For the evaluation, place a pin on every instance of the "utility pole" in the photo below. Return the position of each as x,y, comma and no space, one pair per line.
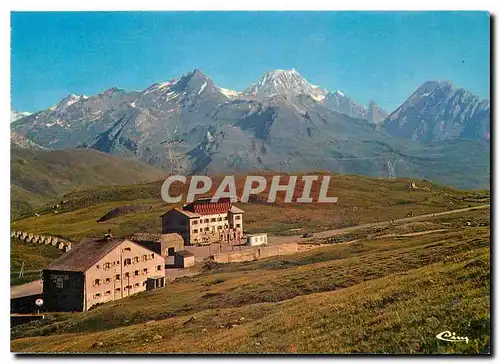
391,166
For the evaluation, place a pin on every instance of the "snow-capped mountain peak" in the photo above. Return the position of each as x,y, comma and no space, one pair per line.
69,100
229,93
14,115
284,83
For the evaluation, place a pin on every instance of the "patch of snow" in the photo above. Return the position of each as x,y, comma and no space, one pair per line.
202,87
172,95
159,86
68,101
318,97
132,104
229,93
340,93
163,85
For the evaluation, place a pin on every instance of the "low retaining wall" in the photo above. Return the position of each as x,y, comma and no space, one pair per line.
255,253
203,252
23,319
41,239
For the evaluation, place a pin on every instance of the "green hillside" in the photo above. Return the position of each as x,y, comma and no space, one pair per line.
39,177
360,200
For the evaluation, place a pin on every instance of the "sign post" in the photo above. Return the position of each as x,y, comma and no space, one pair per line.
39,303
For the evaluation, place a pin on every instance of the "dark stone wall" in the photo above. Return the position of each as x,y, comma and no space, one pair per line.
63,291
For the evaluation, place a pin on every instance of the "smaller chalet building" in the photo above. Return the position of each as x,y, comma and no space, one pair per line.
205,222
163,244
100,270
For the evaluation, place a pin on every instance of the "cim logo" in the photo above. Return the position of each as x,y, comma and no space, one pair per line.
200,185
451,337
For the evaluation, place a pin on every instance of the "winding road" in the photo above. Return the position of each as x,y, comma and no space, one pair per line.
328,233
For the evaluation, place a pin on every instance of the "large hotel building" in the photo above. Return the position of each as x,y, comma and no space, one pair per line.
205,222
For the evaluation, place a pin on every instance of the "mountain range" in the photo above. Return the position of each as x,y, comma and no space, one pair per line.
281,122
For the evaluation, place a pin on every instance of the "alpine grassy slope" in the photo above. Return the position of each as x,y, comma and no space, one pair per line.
378,294
38,177
360,200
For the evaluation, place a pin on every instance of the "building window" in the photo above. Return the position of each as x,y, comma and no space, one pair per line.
206,220
158,267
136,273
136,284
225,218
145,270
97,295
152,255
144,283
117,262
238,225
238,217
128,287
108,280
118,289
107,293
127,261
207,229
127,275
212,219
136,259
117,277
171,251
97,282
219,219
127,250
195,222
98,266
195,231
144,257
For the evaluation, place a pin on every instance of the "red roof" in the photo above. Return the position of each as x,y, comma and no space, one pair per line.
206,207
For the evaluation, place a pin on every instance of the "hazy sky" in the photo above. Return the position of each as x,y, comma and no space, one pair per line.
382,56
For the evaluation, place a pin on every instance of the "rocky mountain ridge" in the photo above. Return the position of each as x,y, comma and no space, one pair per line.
190,125
438,111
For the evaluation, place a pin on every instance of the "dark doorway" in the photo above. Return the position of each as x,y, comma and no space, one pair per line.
171,251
